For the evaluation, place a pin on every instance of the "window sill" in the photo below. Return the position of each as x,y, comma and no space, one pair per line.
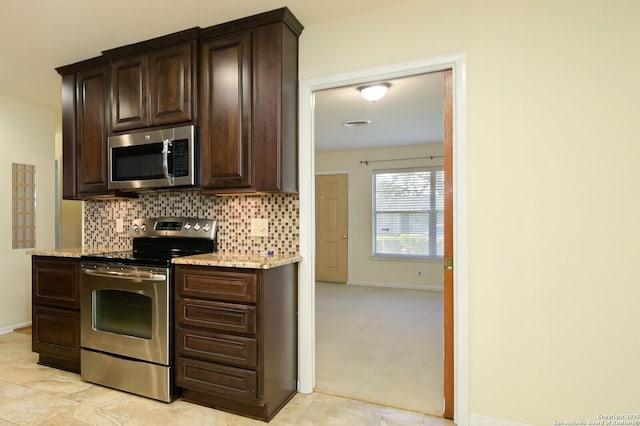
406,258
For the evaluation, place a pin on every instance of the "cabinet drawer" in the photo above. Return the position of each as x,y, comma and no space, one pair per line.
56,282
216,315
56,332
230,382
224,348
208,283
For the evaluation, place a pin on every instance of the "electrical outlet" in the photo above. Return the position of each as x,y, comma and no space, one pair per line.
119,225
259,227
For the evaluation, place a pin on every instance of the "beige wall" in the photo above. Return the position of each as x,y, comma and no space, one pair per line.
363,269
27,137
70,224
553,148
553,184
70,214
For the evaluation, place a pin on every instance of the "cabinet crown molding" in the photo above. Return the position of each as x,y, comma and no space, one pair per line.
190,34
278,15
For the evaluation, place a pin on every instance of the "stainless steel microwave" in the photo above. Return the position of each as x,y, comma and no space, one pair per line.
153,159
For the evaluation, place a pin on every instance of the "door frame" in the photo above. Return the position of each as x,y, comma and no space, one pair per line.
306,293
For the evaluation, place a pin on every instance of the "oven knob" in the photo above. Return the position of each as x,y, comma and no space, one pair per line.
206,227
135,227
143,227
187,226
196,227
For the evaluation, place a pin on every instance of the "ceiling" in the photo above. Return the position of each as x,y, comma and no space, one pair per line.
410,113
36,36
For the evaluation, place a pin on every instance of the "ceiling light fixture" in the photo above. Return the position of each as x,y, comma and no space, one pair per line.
374,92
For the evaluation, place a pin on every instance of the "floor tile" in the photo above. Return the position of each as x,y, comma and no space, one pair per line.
31,394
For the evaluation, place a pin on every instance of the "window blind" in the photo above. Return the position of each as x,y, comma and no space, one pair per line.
409,212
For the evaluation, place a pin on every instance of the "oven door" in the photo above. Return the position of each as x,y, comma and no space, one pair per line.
125,311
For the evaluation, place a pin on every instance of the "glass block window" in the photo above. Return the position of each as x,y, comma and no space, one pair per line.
24,205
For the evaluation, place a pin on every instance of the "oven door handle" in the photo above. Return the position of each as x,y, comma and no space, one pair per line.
149,276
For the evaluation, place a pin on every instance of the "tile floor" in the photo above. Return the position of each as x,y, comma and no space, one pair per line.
380,345
31,394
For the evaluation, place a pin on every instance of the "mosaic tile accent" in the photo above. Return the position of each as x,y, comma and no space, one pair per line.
232,213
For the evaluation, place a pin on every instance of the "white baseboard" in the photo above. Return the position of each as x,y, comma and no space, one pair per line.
397,285
10,328
489,421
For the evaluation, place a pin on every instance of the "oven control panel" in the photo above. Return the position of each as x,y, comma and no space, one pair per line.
174,227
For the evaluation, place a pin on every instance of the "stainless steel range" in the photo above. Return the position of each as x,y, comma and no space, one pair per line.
127,305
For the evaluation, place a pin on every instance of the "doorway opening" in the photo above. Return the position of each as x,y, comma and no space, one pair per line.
456,62
379,332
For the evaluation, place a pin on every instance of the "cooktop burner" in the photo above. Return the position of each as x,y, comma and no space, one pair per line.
157,240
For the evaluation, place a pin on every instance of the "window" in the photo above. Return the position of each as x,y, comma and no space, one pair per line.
408,213
24,205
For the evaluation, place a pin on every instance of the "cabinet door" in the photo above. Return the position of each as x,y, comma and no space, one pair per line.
91,131
56,282
226,112
129,93
171,84
56,333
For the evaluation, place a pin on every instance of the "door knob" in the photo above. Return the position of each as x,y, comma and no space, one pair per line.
344,237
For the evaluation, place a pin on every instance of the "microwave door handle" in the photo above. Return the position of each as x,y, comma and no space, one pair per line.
166,144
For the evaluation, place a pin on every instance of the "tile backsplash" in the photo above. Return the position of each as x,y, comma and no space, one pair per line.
232,213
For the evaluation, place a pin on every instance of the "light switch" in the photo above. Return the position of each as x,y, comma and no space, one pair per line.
259,227
119,225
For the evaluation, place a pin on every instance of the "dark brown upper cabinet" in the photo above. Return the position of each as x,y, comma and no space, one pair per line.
226,111
85,94
172,89
130,93
249,104
237,81
153,82
91,92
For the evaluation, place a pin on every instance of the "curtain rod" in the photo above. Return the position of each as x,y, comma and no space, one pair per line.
431,157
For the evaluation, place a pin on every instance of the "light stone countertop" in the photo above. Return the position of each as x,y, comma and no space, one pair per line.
68,252
229,260
237,260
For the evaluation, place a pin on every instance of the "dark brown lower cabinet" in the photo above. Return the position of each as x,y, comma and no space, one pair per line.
236,337
56,312
56,337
